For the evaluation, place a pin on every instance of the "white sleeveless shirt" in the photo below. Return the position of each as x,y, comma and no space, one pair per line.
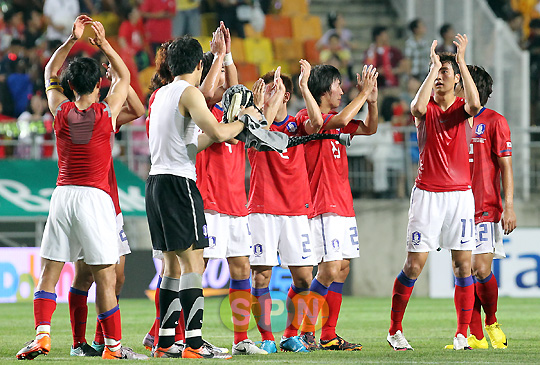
172,136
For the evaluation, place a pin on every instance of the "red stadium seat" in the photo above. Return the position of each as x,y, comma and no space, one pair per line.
310,51
277,26
248,73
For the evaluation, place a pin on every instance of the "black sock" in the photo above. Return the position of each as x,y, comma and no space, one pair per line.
169,309
191,297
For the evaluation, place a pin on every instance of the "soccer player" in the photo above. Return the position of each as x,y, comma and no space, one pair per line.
491,149
442,203
82,219
332,222
173,202
78,293
279,205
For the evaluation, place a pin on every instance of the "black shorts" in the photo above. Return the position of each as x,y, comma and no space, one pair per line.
175,212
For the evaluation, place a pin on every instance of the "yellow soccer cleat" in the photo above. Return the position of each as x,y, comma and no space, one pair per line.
497,336
475,343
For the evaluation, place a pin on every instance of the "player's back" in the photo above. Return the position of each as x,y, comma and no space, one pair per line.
443,141
172,136
84,144
491,139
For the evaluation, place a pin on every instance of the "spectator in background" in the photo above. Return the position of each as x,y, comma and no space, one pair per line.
515,22
417,49
336,27
34,29
448,35
187,19
158,15
132,40
13,28
18,81
533,46
59,17
226,10
37,111
339,57
387,59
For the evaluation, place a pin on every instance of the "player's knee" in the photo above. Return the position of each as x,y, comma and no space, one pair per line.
83,281
481,271
412,269
261,278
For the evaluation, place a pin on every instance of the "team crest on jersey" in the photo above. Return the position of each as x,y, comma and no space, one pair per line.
480,129
416,237
335,244
211,242
257,250
292,127
205,231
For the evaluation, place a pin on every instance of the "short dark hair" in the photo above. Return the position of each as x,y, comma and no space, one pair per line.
483,81
83,73
331,17
447,57
269,77
377,31
163,75
183,55
445,28
207,61
414,24
321,79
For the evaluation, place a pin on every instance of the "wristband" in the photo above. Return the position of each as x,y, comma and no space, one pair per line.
228,60
53,83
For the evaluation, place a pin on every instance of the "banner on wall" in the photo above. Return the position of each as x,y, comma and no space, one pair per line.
518,275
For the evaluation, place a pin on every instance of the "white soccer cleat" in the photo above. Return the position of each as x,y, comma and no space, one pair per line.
460,343
399,343
247,347
223,350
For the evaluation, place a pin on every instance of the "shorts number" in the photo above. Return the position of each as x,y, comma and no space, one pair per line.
354,237
464,227
482,229
306,244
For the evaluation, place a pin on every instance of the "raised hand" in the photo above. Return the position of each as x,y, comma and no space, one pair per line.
217,45
258,93
434,57
99,31
305,70
461,44
226,36
374,94
79,24
368,80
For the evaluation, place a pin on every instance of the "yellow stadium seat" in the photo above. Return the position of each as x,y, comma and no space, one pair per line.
145,77
110,21
205,43
258,50
265,67
250,32
237,49
209,24
294,67
288,49
294,7
306,27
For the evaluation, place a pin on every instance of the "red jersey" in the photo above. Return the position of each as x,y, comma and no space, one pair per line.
221,171
114,189
158,30
84,145
328,169
133,34
490,140
443,141
279,181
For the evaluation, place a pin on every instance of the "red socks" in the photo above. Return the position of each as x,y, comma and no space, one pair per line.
78,314
44,307
261,309
488,293
403,287
475,327
240,301
464,302
112,328
333,299
295,308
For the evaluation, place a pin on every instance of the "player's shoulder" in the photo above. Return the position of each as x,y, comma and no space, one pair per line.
302,115
490,116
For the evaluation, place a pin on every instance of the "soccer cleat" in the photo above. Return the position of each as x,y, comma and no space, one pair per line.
398,342
309,340
84,349
267,345
170,352
292,344
247,347
148,342
496,336
204,352
99,347
475,343
339,344
460,343
124,353
223,350
38,346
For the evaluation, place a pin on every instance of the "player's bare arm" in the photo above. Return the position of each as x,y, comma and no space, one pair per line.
192,103
231,73
315,121
277,93
369,126
53,89
211,81
421,100
472,99
508,219
365,86
120,77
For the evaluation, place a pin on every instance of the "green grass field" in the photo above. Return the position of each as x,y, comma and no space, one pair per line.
429,325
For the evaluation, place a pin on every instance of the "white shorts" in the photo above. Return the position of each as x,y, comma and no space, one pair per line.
81,223
228,236
442,219
334,237
123,244
489,239
288,236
